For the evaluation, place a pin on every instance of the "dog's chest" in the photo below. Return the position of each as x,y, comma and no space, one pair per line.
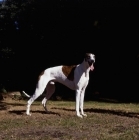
83,81
81,77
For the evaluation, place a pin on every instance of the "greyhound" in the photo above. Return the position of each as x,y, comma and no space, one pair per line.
75,77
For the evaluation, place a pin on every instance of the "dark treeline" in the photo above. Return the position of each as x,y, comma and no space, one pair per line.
39,34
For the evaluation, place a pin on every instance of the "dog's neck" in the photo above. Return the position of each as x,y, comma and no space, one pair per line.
85,67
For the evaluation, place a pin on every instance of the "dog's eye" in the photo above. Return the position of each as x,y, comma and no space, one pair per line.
88,57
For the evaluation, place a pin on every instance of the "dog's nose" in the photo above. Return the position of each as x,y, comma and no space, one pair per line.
92,61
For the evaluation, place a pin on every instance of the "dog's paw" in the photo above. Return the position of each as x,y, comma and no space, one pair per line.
28,114
47,112
85,115
45,108
80,116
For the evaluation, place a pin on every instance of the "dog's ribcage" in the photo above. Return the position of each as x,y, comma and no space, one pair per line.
57,75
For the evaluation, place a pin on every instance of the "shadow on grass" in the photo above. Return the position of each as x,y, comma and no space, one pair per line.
15,104
4,106
21,112
106,111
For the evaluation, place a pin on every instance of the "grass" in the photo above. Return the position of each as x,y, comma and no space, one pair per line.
105,121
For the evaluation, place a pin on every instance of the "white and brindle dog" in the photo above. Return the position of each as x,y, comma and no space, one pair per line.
75,77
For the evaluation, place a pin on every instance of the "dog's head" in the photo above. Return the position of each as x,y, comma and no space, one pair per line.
90,59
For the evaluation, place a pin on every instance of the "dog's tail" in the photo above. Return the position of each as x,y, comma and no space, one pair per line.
26,94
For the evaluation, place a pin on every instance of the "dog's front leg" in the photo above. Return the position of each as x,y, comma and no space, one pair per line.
82,102
78,96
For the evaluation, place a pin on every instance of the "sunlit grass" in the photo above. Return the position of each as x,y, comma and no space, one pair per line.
105,121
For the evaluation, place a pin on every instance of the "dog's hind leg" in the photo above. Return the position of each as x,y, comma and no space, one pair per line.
38,91
50,89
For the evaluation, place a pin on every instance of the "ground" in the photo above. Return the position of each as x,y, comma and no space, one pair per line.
104,121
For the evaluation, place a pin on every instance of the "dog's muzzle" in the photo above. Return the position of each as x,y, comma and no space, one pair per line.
91,64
